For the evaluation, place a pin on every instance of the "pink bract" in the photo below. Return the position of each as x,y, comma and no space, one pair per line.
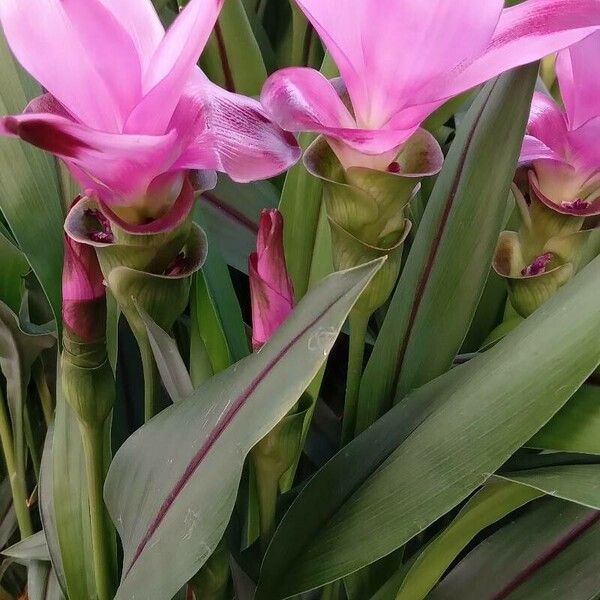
271,289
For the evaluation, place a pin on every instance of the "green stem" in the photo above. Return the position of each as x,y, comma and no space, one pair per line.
16,478
268,492
44,394
151,380
93,447
359,322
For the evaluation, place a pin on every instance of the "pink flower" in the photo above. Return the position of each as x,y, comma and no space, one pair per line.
402,59
83,290
270,287
127,108
562,146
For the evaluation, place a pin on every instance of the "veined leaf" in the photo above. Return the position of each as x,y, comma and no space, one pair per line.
493,502
232,57
47,516
32,548
577,483
576,428
446,270
191,454
436,447
305,243
549,553
13,267
170,365
29,193
231,212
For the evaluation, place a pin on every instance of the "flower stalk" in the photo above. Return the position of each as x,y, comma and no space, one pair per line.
16,478
88,386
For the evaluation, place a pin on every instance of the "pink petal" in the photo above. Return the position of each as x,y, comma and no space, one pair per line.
525,33
119,167
47,43
579,77
236,137
301,99
547,123
139,18
585,147
534,149
388,49
172,65
111,50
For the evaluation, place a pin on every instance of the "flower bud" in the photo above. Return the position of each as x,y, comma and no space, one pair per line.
271,288
84,293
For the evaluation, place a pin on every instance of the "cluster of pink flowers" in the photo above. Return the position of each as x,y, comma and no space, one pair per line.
131,115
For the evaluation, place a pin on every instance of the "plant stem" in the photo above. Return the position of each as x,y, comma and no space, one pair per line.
17,479
44,394
151,380
268,492
359,322
93,447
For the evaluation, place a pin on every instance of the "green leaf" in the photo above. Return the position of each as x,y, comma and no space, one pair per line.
70,501
577,483
191,454
549,553
306,243
449,261
46,504
170,365
32,548
216,314
576,428
232,57
493,502
13,267
8,519
436,447
30,199
231,212
42,583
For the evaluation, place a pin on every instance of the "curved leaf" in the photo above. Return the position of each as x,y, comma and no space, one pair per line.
493,502
191,454
576,428
29,187
446,270
436,447
577,483
551,552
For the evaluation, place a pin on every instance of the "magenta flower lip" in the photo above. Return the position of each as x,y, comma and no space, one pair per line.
576,208
126,104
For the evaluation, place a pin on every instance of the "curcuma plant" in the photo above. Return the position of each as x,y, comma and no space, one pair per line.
299,299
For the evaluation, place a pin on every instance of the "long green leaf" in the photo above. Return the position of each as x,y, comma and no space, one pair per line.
448,265
191,454
232,57
301,207
434,448
30,199
493,502
70,502
576,428
13,267
550,553
577,483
